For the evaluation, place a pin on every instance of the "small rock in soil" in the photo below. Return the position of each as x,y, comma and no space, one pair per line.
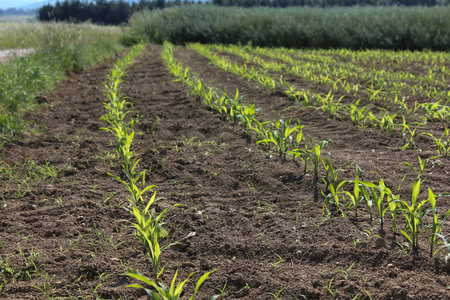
398,292
60,258
187,265
237,279
317,254
205,264
242,292
380,243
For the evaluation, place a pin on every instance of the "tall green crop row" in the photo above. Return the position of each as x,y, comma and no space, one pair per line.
147,223
397,28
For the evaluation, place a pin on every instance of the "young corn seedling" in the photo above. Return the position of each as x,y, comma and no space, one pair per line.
434,230
299,137
335,195
445,245
434,111
314,156
196,88
162,292
295,95
355,197
149,229
374,121
301,153
332,107
414,214
346,272
331,176
387,122
367,195
358,116
308,99
128,161
411,143
208,96
147,223
374,95
291,91
260,129
443,142
277,295
280,135
394,204
378,199
247,125
235,107
422,165
137,195
246,117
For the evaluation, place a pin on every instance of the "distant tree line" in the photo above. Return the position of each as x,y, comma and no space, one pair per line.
118,12
16,12
100,11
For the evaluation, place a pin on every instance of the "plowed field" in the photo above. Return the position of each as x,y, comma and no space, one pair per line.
245,212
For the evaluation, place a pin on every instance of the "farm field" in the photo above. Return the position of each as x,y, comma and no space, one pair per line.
248,210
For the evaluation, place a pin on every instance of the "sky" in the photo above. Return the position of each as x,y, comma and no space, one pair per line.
22,3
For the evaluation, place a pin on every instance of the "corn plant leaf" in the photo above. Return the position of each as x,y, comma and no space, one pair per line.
415,192
199,283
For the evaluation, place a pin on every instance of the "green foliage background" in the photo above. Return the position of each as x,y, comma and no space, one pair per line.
397,28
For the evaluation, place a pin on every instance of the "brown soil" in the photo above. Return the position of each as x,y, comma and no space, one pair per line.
242,209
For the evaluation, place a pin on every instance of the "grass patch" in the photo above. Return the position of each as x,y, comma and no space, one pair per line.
57,48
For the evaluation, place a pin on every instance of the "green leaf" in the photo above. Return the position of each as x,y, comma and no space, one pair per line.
415,192
432,199
199,283
406,236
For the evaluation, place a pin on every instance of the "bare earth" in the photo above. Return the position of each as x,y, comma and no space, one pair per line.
247,215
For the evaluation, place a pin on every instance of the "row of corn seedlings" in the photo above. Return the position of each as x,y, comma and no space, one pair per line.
148,224
385,120
380,200
426,60
360,116
377,197
382,87
431,85
283,136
